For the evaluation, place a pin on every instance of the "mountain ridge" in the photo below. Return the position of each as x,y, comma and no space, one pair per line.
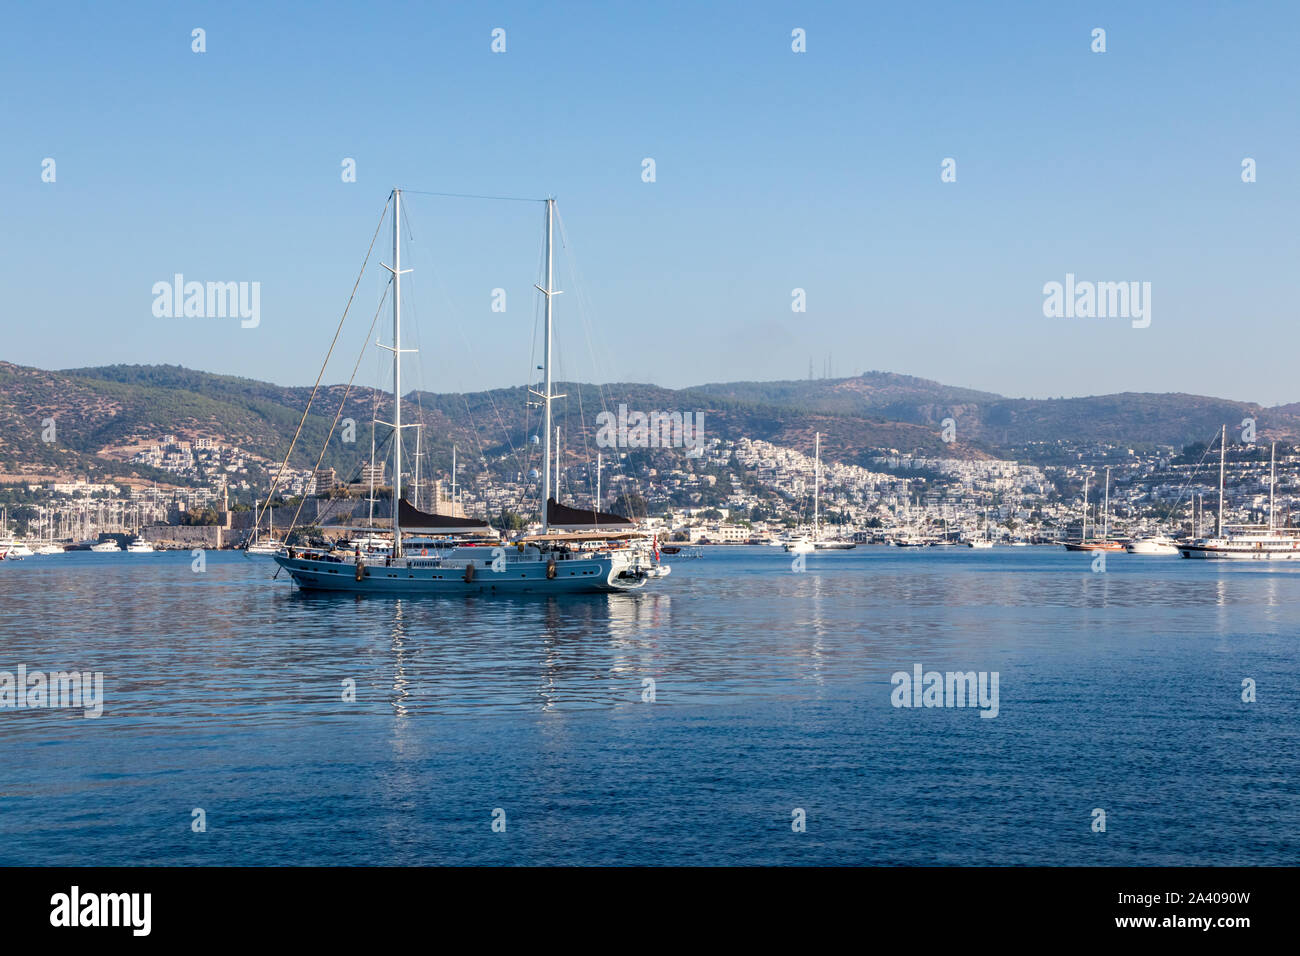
101,409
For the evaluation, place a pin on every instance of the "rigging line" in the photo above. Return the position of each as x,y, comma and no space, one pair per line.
421,430
586,450
353,476
1189,480
525,497
257,521
425,192
337,415
584,313
585,309
469,414
454,310
422,388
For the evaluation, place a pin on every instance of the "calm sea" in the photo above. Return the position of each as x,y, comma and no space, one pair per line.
224,692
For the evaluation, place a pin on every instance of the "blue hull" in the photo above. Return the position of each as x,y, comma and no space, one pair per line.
592,575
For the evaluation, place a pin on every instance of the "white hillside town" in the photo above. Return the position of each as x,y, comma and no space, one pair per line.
718,491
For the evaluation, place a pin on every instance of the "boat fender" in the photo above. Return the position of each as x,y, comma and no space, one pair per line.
469,572
550,570
361,570
521,547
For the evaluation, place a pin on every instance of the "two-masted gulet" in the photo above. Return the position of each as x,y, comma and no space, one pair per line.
577,550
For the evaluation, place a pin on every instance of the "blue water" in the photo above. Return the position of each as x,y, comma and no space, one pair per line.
1118,690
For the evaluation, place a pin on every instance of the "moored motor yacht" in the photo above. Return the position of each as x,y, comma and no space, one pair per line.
1155,544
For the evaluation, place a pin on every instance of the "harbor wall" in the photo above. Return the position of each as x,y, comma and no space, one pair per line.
185,536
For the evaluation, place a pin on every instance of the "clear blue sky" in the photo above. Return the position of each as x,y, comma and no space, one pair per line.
775,170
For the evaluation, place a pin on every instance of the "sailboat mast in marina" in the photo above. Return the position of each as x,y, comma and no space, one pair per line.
1245,542
817,484
1104,543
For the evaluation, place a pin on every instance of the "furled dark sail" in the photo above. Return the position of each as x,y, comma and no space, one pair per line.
580,519
424,522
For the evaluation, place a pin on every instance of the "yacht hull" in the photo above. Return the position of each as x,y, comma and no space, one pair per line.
1237,554
430,576
1151,547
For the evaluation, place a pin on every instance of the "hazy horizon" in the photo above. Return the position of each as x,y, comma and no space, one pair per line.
328,382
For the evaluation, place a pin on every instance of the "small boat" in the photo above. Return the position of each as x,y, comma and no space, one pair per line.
16,548
104,547
985,541
1156,544
139,546
265,546
658,571
1104,543
12,546
50,549
813,542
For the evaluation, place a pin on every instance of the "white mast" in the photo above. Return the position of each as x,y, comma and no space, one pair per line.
1105,513
546,396
371,522
558,456
453,478
396,270
596,503
1272,477
817,480
1223,457
1084,532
